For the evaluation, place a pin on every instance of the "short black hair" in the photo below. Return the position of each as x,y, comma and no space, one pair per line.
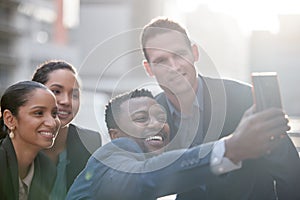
113,106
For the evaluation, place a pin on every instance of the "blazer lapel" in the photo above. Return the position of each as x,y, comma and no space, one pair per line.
214,108
12,162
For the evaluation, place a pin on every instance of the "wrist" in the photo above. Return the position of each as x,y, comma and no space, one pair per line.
231,151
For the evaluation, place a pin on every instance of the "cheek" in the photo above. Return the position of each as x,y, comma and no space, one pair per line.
132,130
26,127
57,122
75,105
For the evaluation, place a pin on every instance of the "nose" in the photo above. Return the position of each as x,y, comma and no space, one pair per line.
64,99
52,122
174,63
155,124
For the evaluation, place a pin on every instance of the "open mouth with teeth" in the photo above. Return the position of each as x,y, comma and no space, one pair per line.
49,135
156,142
155,138
63,113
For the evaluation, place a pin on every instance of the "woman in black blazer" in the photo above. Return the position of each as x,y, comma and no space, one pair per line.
28,123
74,145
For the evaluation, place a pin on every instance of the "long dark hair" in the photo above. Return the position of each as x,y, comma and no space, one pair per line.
13,98
42,72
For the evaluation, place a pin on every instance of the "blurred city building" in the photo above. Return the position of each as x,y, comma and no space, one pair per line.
280,53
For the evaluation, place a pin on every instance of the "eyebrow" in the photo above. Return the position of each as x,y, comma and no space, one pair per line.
56,85
37,107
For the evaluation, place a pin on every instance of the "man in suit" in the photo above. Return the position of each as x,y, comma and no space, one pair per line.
134,165
202,109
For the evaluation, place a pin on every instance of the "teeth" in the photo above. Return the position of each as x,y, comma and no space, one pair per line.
63,112
156,137
46,133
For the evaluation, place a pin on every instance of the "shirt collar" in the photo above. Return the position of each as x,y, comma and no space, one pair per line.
27,180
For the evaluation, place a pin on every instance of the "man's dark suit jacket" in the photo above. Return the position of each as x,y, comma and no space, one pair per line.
43,178
81,143
225,102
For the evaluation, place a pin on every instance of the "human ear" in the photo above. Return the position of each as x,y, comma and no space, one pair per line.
148,68
9,119
195,52
114,133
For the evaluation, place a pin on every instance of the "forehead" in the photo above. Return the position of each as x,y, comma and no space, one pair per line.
166,39
139,104
63,75
40,97
172,42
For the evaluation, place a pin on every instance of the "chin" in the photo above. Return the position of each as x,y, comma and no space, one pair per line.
156,151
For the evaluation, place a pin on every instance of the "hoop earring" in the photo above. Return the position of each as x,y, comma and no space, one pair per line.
11,133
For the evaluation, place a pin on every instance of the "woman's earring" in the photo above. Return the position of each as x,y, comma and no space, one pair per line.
11,133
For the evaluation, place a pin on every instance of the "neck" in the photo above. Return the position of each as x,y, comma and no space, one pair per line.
183,102
59,144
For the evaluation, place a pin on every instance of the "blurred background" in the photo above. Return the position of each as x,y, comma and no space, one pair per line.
101,39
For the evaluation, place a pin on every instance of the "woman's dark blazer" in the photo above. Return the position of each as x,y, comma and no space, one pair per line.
81,143
43,178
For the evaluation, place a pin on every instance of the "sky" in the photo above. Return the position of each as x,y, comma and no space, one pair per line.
250,14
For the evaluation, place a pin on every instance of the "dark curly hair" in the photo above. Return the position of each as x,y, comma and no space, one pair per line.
112,109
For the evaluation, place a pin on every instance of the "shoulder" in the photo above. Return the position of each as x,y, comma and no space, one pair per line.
226,82
80,129
124,144
6,149
232,88
3,156
121,148
89,138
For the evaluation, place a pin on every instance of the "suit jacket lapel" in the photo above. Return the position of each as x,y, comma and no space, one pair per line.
215,102
206,107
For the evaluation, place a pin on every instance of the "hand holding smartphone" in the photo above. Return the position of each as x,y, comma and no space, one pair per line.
266,91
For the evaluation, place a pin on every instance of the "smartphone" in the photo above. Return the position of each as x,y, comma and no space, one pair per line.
266,92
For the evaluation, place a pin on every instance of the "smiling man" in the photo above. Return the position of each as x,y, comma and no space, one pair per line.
134,165
202,109
148,128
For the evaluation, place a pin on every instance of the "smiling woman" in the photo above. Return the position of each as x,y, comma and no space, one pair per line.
73,145
30,122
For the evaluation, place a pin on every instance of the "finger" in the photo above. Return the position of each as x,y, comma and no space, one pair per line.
277,122
272,144
270,113
275,133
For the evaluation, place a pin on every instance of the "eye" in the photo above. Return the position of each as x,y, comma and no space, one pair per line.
160,61
54,113
162,118
140,118
75,94
56,92
38,113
